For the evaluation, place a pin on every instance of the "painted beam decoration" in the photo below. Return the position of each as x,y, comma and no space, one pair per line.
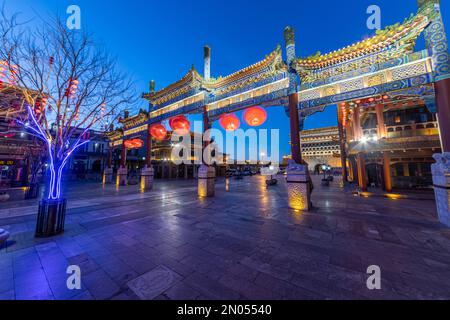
384,64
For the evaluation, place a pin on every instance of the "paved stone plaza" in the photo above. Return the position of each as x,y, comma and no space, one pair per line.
243,244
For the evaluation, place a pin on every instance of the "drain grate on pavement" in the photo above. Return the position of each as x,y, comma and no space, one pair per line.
153,283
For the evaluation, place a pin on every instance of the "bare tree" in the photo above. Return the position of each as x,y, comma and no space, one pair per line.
67,85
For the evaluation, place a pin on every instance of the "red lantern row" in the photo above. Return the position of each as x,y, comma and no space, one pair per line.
254,117
229,122
180,125
133,143
158,131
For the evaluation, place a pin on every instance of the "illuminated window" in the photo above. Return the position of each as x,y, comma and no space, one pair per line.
397,119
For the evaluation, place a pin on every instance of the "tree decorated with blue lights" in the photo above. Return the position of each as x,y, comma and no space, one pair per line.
66,86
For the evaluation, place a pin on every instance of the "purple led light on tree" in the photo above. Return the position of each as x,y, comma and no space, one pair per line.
67,87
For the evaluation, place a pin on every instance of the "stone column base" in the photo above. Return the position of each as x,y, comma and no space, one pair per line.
298,186
206,181
441,182
4,235
147,178
122,179
108,176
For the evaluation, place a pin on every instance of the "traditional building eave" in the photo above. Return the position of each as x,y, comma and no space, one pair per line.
271,63
401,38
134,121
114,135
192,80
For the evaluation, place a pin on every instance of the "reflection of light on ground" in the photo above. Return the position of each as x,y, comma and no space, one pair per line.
227,184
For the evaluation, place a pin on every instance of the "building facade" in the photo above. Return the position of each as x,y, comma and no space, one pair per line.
390,142
321,147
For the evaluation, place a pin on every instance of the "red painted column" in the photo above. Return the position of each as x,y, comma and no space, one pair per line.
110,151
294,126
342,149
443,112
206,126
123,157
148,154
361,167
381,126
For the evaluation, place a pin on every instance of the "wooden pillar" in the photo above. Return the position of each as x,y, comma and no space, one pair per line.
381,126
342,148
148,153
387,172
351,174
406,169
436,41
361,167
123,156
294,126
356,124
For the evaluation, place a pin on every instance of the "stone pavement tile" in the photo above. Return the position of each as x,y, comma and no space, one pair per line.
58,285
323,288
181,291
139,264
126,295
154,283
285,289
210,288
247,289
6,284
100,285
182,269
34,291
85,262
85,295
29,276
8,295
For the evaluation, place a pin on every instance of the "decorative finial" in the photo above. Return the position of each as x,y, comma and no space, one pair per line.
152,86
423,3
207,51
289,36
207,62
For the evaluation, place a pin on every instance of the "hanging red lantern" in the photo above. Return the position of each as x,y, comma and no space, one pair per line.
133,143
128,144
137,143
180,125
229,122
255,116
158,131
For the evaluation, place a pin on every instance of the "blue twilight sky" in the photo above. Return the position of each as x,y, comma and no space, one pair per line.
161,39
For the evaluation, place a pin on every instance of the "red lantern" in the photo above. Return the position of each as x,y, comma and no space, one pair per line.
158,131
137,143
133,143
229,122
255,116
128,144
180,124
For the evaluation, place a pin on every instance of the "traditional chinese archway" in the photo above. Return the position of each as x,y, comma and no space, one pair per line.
384,65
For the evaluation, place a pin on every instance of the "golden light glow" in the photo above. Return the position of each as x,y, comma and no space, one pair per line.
393,196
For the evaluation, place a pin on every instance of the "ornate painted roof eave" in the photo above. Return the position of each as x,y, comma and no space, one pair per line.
399,35
190,81
136,120
115,134
272,61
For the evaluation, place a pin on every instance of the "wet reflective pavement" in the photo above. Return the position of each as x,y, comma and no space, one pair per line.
243,244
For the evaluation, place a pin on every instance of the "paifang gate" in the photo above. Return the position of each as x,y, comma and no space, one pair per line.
385,65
